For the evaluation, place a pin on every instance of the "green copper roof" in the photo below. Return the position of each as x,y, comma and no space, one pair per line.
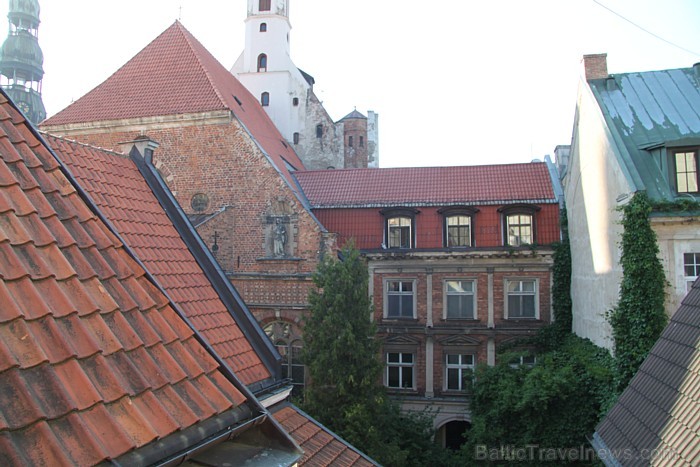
648,113
26,9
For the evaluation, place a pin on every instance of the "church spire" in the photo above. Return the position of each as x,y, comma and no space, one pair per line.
21,59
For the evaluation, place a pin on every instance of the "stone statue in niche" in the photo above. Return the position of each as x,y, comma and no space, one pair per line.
279,239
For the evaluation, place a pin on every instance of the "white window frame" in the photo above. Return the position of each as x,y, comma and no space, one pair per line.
461,367
413,292
528,360
401,366
449,227
506,295
401,228
695,264
520,225
446,293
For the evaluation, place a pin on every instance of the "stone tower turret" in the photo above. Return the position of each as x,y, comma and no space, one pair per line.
21,59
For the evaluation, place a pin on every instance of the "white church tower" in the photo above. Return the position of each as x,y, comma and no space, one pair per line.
266,69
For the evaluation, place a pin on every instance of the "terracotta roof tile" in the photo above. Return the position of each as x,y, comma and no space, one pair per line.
478,184
321,447
173,75
135,212
83,347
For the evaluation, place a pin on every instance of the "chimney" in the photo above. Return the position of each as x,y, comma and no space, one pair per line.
595,66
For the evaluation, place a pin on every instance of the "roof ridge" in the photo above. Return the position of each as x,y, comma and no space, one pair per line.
192,42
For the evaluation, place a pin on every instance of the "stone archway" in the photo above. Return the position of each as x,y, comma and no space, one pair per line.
450,434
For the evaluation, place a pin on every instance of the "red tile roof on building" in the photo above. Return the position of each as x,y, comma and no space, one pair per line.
94,360
119,190
321,446
421,186
175,75
656,420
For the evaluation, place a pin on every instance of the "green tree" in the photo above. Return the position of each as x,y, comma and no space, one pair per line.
340,348
639,317
342,355
561,273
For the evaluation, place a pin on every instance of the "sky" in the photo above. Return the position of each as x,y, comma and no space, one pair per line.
454,83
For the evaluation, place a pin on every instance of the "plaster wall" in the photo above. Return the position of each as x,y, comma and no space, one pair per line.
595,186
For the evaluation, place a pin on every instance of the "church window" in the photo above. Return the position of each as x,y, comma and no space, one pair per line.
296,138
264,5
319,131
350,141
263,27
265,99
262,62
295,101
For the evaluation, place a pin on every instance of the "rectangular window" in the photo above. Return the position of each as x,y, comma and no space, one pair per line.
521,299
399,299
519,229
457,367
686,172
399,370
264,5
523,360
459,231
399,232
459,299
691,266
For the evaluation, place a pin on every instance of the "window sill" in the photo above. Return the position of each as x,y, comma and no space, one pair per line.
391,319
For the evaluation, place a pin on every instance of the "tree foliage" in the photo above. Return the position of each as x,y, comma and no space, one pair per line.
639,317
561,272
342,355
554,404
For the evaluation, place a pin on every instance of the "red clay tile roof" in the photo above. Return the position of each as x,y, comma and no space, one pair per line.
656,420
321,447
172,75
421,186
119,190
94,361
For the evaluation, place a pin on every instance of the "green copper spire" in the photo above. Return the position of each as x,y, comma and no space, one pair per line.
21,59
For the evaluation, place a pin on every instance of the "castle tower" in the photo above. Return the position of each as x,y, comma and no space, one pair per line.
21,59
355,131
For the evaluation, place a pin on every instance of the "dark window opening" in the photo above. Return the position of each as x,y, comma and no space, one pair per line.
362,141
296,138
263,27
265,99
264,5
295,101
350,141
319,131
262,62
454,434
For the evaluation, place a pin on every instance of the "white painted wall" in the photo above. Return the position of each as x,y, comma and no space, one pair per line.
592,187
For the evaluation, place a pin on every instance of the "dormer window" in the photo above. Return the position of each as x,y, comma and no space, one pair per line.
399,227
458,230
262,63
263,27
264,5
686,164
519,225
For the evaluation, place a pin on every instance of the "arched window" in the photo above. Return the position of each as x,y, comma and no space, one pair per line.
287,339
263,27
296,138
265,99
458,228
519,224
262,62
319,131
399,227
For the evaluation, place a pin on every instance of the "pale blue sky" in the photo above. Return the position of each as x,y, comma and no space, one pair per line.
469,83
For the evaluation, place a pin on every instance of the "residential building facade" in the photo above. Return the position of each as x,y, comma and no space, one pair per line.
459,262
633,132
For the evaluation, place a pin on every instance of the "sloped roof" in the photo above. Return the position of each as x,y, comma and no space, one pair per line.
647,110
173,75
659,412
119,190
94,360
321,446
421,186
